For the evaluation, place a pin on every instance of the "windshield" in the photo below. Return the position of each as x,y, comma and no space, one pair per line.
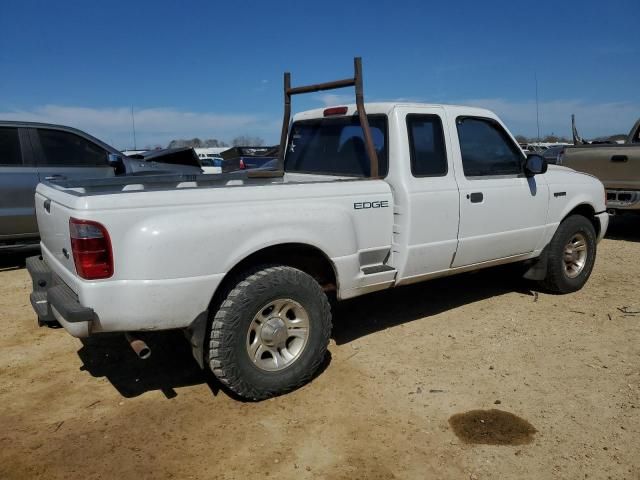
335,146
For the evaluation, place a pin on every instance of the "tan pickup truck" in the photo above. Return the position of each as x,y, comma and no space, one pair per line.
617,165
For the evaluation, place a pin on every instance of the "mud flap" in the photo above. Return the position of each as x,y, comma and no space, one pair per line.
538,269
195,334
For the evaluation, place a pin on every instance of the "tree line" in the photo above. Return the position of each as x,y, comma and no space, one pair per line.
242,140
546,139
556,139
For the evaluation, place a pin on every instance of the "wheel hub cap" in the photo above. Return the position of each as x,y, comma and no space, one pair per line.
274,332
278,334
575,255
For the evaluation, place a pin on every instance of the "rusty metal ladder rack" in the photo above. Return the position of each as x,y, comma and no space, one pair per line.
356,82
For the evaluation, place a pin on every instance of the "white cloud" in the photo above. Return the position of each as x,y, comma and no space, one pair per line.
592,119
160,125
153,125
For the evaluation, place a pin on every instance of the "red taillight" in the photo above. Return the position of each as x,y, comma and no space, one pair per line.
335,111
91,247
242,165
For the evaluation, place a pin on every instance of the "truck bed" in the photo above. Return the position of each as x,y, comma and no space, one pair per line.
143,183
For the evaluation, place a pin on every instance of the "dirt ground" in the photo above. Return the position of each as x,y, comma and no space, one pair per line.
402,363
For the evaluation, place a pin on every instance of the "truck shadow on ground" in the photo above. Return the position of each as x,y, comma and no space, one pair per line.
372,313
172,365
624,227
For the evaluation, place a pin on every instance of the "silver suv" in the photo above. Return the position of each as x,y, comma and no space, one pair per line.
35,152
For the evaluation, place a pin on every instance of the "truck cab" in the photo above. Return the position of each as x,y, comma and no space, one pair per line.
463,195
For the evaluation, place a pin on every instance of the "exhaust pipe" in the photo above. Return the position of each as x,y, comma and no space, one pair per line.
138,345
612,212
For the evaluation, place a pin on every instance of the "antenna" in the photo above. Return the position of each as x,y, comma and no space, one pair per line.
133,123
535,74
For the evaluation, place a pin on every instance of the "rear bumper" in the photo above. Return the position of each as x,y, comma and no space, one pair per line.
53,300
117,305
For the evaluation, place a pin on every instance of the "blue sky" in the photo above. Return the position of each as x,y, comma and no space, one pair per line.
214,69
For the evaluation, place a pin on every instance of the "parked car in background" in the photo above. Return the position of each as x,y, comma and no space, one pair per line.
536,148
616,165
169,160
204,152
248,163
551,154
249,158
270,165
34,152
211,164
130,153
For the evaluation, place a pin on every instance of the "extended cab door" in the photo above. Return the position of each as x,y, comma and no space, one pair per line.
426,221
60,154
502,212
18,182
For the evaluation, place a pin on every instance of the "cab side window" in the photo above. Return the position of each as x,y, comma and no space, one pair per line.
10,153
68,149
426,145
486,148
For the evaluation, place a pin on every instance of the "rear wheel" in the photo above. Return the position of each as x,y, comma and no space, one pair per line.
571,255
271,332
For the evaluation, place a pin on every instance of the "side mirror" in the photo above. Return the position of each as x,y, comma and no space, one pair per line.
114,160
535,165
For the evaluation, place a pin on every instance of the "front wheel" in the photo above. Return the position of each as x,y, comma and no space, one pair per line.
271,332
571,255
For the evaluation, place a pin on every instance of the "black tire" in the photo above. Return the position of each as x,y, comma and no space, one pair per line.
228,357
557,279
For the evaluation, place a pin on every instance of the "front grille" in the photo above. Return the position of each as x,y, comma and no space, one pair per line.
622,198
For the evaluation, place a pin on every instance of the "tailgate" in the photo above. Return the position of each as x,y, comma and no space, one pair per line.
53,223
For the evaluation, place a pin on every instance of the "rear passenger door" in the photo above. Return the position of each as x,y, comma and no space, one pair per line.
18,182
64,155
502,212
432,227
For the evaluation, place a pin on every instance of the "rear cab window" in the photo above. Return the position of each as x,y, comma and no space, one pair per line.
335,146
10,153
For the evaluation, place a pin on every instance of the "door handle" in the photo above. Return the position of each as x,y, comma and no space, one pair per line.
619,158
55,177
475,197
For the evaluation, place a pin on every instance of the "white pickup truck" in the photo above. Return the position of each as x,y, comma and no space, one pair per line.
244,263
